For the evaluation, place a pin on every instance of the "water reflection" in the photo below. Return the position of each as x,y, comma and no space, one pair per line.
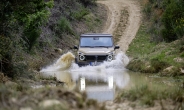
101,92
110,82
66,77
101,85
99,82
82,84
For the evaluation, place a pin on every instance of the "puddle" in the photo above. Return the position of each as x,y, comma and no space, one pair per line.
101,85
100,82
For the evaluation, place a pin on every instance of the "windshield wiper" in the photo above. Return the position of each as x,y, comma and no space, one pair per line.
88,46
102,46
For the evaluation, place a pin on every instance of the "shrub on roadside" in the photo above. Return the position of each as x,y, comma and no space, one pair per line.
134,65
64,26
5,43
138,65
88,2
141,93
158,65
166,19
173,20
171,71
80,13
147,10
20,24
31,36
147,95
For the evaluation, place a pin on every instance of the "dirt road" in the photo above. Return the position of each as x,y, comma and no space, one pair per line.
132,25
128,29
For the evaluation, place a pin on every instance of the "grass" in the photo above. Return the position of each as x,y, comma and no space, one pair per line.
92,21
79,15
151,57
141,45
65,26
154,57
147,95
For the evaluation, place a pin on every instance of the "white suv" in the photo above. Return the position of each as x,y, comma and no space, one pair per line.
95,48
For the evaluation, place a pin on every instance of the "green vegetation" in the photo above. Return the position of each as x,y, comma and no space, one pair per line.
33,33
88,2
20,24
173,20
147,95
165,19
31,30
79,14
158,48
151,51
149,57
64,26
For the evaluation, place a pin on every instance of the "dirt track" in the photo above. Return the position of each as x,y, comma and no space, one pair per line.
127,31
114,14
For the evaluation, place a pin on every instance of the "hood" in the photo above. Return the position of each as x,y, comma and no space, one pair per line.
96,51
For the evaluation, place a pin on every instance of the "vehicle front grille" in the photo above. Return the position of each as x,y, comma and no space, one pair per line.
99,58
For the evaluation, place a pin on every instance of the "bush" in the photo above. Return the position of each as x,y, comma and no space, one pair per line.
147,94
147,10
64,26
5,46
142,93
20,24
158,65
166,19
31,36
173,20
6,56
80,14
136,65
87,2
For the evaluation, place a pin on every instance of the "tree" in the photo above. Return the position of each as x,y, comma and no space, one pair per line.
27,14
173,20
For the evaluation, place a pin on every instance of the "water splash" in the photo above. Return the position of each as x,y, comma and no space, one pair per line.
62,64
121,60
115,68
65,64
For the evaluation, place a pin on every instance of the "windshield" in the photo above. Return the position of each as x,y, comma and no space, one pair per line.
96,42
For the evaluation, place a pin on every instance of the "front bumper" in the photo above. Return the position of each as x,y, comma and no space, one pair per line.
92,59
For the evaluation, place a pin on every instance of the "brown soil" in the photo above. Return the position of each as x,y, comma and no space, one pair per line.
114,21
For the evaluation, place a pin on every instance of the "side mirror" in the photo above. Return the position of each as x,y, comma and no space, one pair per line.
116,47
75,47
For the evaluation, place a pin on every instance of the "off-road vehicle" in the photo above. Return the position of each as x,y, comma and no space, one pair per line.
95,48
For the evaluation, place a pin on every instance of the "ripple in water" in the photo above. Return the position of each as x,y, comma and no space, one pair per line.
65,64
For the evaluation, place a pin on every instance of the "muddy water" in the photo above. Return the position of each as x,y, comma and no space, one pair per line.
101,85
102,82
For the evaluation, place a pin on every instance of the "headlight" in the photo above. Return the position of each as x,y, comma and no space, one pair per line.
81,57
109,57
111,53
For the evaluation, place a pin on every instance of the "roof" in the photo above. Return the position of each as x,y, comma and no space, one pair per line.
96,35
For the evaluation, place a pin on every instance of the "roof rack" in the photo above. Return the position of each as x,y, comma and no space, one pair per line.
96,34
